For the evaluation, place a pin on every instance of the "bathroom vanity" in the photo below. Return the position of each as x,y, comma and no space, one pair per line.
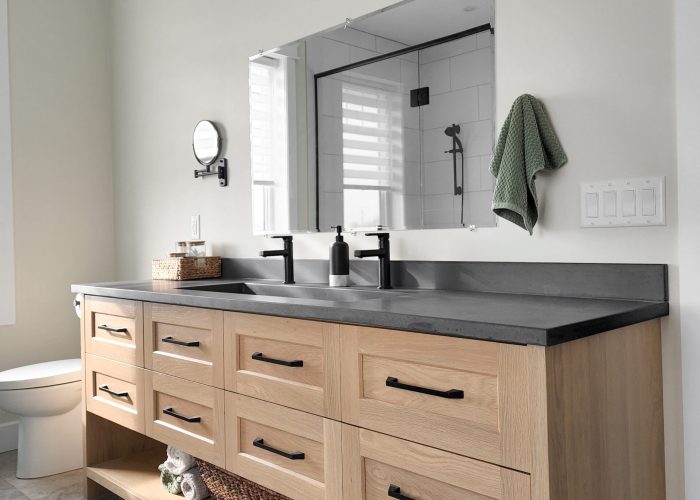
466,392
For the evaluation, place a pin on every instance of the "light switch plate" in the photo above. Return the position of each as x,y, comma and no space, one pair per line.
194,227
624,202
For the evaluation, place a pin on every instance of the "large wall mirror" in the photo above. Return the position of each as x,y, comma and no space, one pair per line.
384,123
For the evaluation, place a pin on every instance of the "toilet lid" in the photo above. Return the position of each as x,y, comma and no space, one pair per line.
58,372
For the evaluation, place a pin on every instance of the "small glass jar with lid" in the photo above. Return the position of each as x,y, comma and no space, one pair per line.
196,248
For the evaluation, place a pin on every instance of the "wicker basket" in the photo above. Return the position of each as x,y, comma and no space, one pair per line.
186,268
223,485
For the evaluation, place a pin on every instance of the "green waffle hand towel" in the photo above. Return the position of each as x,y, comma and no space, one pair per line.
527,144
170,481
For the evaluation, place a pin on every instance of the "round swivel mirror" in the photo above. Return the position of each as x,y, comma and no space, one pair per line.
206,142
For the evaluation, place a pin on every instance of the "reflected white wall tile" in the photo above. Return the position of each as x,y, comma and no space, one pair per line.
330,173
472,68
409,75
384,45
435,143
487,180
411,116
412,178
388,70
477,138
359,54
330,97
486,109
354,37
435,75
449,49
330,210
411,145
438,178
478,209
484,39
330,135
472,173
452,107
413,211
323,54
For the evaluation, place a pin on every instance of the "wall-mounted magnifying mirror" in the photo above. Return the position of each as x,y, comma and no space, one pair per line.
206,144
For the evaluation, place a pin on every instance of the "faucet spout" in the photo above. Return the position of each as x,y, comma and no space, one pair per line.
288,253
384,259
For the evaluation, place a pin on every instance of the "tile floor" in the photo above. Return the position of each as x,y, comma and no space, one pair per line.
67,486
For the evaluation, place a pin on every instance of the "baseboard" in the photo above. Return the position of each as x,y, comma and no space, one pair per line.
8,436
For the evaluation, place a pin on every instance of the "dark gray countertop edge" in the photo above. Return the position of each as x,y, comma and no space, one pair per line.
513,334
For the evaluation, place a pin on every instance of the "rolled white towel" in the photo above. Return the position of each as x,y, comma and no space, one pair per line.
178,461
193,486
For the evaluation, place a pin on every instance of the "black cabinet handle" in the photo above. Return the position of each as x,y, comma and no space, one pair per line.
295,455
451,394
395,492
171,412
170,340
109,329
105,388
258,356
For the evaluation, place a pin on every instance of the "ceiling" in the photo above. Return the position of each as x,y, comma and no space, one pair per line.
418,21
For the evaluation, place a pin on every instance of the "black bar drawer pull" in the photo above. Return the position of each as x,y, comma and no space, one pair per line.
295,455
171,412
170,340
258,356
105,388
450,394
395,492
109,329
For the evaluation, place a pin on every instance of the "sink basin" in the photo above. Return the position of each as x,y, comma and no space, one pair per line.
291,291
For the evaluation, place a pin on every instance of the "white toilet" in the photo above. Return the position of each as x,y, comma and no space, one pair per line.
46,398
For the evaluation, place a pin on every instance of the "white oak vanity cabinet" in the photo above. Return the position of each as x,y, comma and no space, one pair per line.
322,411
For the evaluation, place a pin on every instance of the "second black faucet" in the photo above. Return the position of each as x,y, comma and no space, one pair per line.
384,259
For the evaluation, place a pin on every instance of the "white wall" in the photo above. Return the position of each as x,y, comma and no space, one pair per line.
603,69
60,85
688,141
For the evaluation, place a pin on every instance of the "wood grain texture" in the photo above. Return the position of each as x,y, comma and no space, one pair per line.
125,410
203,363
373,461
204,439
489,424
317,476
126,347
313,387
605,416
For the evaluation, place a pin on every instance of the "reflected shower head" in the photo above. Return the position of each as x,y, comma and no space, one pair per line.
453,130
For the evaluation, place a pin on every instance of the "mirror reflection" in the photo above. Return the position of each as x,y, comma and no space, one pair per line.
386,123
206,142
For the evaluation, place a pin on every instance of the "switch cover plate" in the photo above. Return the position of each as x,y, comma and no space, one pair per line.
624,202
194,227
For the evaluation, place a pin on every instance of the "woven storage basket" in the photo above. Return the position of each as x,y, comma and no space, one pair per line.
186,268
223,485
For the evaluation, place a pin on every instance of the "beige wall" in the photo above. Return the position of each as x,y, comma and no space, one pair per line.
61,148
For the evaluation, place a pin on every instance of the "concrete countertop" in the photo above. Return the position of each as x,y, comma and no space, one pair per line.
500,317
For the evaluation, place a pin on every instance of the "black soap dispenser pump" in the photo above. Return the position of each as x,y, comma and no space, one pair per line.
339,261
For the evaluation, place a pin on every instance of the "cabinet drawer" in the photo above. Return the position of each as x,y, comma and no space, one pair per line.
464,396
185,341
291,362
187,415
289,451
376,465
115,391
114,329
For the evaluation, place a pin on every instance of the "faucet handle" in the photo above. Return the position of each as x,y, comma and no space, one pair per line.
381,236
285,237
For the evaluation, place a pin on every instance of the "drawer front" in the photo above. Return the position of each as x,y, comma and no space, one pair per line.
186,342
114,329
187,415
115,391
291,362
289,451
464,396
376,465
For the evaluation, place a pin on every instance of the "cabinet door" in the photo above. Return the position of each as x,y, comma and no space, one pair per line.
377,467
114,329
187,415
115,391
464,396
185,341
289,451
291,362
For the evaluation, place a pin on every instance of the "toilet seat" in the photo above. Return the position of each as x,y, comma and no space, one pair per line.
41,375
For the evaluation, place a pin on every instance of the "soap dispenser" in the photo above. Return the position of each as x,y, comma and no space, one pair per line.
339,261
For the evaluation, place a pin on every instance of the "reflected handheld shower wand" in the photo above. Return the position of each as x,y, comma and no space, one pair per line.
452,131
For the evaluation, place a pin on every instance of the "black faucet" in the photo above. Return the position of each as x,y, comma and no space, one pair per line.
384,259
288,253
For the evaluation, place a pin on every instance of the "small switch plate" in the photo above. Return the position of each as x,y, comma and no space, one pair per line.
194,227
624,202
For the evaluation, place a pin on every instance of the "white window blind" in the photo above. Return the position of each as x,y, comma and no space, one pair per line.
7,265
